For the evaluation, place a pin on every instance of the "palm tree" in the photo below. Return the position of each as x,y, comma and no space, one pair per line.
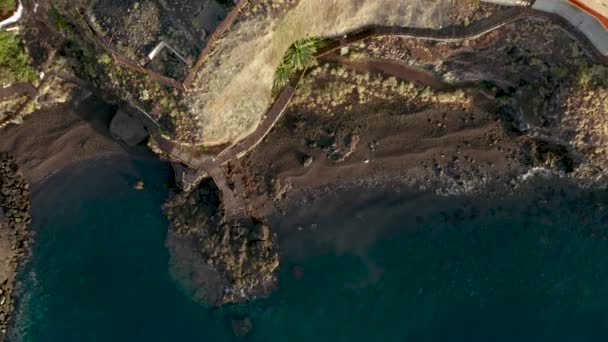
299,56
282,76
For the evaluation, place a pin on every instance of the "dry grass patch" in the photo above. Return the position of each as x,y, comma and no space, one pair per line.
234,88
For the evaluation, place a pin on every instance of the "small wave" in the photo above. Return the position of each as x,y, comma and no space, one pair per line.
452,187
537,172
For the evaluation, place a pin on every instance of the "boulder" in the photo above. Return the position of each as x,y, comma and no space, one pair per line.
307,161
241,327
139,185
128,129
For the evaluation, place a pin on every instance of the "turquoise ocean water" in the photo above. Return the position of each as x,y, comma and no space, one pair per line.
531,268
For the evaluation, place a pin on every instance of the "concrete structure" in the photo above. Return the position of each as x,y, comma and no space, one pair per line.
160,47
585,22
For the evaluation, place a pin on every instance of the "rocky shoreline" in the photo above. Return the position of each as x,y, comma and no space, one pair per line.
14,233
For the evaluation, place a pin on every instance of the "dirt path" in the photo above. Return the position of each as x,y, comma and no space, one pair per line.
387,67
18,89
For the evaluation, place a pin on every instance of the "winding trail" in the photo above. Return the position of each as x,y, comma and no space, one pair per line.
197,167
473,31
456,33
399,69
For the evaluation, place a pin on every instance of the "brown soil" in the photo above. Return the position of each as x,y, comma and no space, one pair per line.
52,139
388,67
381,142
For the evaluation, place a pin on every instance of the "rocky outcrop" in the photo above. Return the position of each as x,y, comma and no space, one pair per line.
128,129
219,261
14,234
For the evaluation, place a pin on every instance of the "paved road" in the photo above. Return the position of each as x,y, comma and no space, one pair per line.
584,22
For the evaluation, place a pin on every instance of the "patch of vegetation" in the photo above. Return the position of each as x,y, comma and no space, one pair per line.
595,73
7,5
599,73
582,75
89,60
14,61
487,84
559,71
61,22
299,56
329,88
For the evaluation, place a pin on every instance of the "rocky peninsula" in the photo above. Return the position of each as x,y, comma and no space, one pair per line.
219,261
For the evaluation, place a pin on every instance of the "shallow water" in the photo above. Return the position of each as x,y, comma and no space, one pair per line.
532,267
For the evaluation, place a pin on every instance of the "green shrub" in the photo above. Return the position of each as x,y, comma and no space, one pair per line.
61,22
596,73
503,100
14,61
583,76
559,71
7,5
105,59
599,74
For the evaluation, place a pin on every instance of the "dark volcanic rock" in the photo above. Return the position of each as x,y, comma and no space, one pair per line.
307,161
216,261
14,233
128,129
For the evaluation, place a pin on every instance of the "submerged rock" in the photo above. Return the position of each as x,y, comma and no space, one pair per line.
241,327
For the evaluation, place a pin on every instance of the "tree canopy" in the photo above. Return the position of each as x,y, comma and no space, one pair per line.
14,61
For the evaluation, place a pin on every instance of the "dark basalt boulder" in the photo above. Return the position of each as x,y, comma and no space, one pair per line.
126,128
